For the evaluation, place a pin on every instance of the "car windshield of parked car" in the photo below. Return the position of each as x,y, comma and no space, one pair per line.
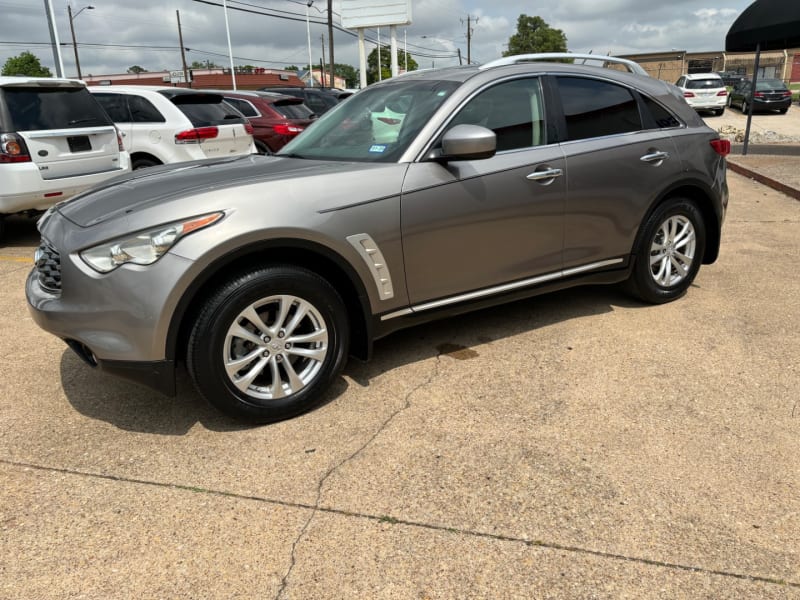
36,108
375,125
700,84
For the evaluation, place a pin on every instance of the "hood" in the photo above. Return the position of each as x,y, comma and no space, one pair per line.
148,188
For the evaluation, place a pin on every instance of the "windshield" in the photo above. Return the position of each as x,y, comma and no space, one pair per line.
375,125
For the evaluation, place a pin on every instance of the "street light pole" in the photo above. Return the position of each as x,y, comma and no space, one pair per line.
72,30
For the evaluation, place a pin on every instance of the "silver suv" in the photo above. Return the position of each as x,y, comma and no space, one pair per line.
426,195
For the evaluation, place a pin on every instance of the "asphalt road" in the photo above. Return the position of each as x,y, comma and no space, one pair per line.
578,445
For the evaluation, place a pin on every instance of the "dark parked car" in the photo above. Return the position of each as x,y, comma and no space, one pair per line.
319,100
276,118
263,273
731,78
771,94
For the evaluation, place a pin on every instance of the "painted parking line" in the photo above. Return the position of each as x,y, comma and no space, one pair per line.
20,259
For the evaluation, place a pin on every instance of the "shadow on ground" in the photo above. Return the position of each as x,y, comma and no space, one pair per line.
135,408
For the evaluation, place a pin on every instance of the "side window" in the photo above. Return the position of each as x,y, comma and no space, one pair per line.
316,104
143,111
116,107
243,106
680,81
662,117
513,110
594,108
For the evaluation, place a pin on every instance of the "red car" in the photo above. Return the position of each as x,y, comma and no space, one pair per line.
276,118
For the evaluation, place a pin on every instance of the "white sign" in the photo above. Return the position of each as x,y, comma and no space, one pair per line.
357,14
177,77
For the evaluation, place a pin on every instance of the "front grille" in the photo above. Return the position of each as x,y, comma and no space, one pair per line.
48,267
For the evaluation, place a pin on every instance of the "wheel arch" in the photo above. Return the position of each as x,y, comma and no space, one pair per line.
318,259
145,155
703,197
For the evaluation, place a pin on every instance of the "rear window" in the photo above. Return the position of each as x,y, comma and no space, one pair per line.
292,109
36,108
771,84
702,84
207,109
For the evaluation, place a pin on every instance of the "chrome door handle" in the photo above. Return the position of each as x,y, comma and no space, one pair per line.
546,174
655,157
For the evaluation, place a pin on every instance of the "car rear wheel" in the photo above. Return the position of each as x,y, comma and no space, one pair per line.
745,106
669,252
268,342
143,163
719,112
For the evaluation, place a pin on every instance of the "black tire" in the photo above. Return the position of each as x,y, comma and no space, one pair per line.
674,235
220,336
744,107
143,163
783,111
719,112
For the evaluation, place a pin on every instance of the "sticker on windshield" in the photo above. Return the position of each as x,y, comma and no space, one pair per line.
377,148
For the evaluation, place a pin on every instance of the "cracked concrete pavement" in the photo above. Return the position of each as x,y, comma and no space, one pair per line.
576,445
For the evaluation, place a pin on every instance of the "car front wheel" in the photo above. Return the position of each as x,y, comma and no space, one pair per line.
268,343
669,252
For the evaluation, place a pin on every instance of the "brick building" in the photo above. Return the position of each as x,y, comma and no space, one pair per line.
246,79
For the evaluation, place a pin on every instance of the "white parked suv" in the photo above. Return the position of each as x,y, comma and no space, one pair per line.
55,141
168,124
704,91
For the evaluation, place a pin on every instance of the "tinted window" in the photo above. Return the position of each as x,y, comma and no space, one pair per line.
595,108
770,84
243,106
661,116
293,110
115,105
143,111
206,109
319,103
513,110
703,84
34,109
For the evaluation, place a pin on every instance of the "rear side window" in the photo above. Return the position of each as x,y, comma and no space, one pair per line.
243,106
662,117
594,108
207,109
143,111
292,110
34,109
704,84
116,106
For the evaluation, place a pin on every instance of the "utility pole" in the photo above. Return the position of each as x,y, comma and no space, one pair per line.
54,41
322,64
332,82
183,52
469,38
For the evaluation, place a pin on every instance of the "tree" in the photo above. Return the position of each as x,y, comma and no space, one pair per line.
348,72
386,63
136,69
25,64
196,64
292,68
535,35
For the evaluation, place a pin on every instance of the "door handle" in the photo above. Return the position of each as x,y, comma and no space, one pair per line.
655,157
545,176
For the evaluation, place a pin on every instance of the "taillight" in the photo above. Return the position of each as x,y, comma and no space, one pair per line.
786,93
722,93
13,149
721,147
759,94
119,141
248,128
688,94
286,129
197,135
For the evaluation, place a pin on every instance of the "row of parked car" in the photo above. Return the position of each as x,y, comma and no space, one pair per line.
58,137
709,92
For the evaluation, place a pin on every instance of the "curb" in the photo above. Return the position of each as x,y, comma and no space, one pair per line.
763,179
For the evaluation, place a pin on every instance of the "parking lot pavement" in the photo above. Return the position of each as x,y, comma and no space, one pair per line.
765,128
572,445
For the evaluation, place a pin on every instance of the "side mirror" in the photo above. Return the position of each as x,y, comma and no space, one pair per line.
468,142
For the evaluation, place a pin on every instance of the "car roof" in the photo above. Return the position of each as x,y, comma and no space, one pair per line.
702,76
8,81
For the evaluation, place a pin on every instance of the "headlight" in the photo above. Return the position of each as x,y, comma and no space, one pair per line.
143,248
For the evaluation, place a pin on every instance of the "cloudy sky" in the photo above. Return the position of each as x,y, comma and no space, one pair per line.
117,34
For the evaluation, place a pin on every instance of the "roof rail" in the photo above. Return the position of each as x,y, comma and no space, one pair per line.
520,58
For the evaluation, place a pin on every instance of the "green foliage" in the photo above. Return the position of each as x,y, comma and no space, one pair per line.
535,35
386,63
291,68
204,64
25,64
136,69
349,73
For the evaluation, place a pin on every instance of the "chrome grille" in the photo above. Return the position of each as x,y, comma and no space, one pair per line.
48,267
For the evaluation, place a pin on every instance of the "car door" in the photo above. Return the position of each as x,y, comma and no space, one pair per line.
619,157
475,226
